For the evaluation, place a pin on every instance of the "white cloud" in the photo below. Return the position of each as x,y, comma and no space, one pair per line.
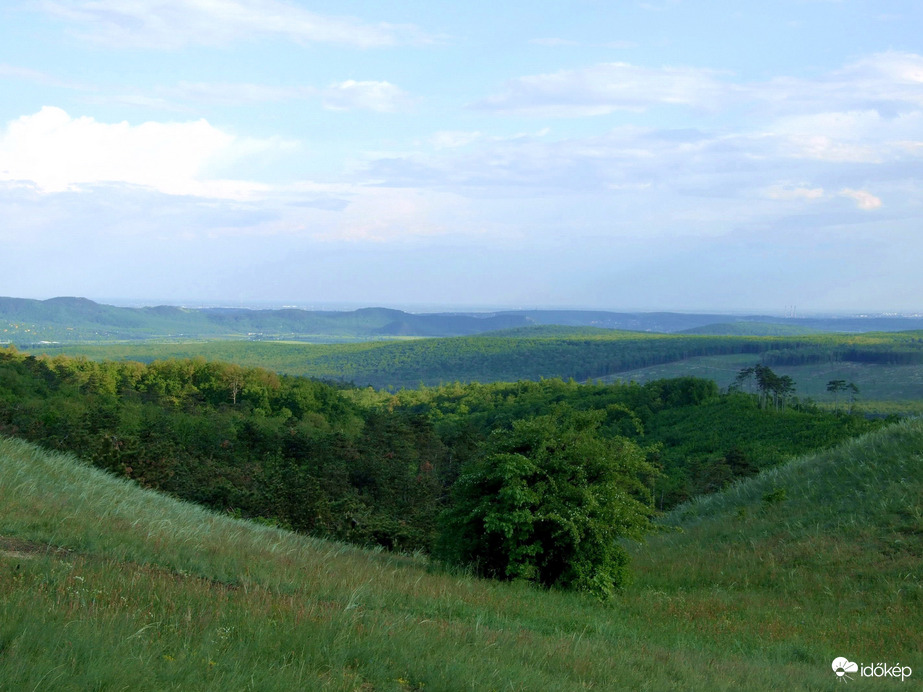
608,87
382,97
57,152
825,148
864,200
884,83
513,165
389,214
690,182
849,136
144,171
177,23
796,192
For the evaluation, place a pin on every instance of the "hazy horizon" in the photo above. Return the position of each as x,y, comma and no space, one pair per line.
651,155
433,308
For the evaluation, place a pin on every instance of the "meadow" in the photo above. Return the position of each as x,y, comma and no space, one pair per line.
104,585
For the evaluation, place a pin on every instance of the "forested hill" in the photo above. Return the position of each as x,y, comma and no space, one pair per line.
752,329
67,320
25,321
372,467
581,353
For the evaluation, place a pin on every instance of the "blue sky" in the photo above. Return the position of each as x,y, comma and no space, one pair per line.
660,155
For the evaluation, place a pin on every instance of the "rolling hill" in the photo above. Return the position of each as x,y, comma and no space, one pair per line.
73,320
107,586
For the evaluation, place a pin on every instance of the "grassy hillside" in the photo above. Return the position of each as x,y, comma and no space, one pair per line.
106,586
824,549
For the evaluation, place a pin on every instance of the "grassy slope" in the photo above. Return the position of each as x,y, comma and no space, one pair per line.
105,586
824,551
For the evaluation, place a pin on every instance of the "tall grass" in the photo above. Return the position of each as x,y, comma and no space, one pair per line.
107,586
831,542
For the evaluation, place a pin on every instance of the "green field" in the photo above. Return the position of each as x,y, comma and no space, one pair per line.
107,586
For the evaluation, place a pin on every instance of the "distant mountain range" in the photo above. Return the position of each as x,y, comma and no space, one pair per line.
27,321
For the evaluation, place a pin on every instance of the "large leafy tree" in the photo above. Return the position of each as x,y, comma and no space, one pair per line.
547,501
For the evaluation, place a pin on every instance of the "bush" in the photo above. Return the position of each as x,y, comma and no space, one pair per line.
547,501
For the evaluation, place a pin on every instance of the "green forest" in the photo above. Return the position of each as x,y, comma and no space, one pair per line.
418,469
583,354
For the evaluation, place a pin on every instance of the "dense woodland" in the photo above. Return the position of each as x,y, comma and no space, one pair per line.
901,349
533,353
380,468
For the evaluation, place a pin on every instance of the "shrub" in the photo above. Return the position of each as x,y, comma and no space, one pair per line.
547,501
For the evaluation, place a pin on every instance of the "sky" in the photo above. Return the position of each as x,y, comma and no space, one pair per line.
659,155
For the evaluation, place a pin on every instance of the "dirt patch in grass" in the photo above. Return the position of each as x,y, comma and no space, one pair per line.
18,548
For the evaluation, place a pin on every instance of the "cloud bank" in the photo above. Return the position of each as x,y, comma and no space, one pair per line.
883,82
57,152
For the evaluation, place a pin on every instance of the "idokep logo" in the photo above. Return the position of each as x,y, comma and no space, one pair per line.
842,666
